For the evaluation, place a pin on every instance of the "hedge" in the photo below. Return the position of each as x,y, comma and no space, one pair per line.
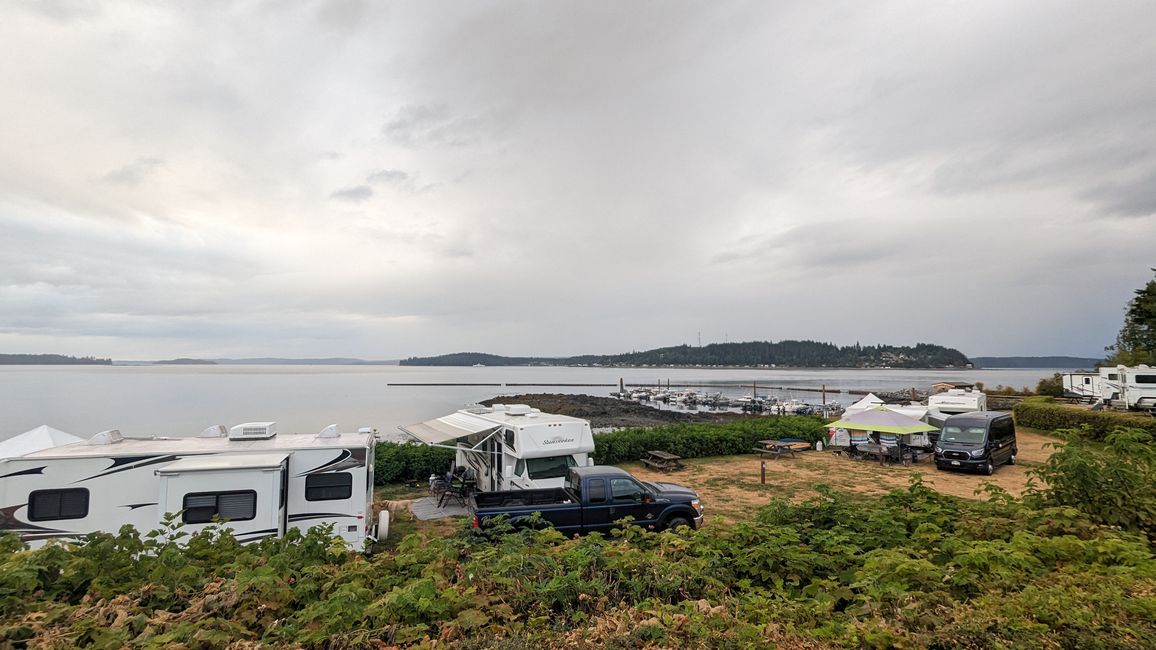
1049,416
698,440
407,462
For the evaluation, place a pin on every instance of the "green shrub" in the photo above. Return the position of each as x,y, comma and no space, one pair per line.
1046,415
699,440
1113,482
409,462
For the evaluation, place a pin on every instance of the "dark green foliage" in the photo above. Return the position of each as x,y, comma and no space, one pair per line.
1113,482
804,354
1048,416
699,440
409,462
51,360
913,569
1136,342
1051,386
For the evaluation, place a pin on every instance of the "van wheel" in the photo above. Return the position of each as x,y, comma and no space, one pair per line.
989,469
1011,460
674,522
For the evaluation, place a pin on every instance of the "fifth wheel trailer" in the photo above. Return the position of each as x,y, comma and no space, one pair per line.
262,483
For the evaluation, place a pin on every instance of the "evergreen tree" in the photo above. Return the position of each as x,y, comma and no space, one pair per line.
1136,342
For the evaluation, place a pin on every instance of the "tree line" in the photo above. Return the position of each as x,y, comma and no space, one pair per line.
51,360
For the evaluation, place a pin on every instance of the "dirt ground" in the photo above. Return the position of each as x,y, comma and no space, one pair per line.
731,489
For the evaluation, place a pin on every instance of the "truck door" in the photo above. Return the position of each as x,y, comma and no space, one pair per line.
626,499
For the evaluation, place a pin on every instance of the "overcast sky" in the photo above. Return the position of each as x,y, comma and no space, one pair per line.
381,180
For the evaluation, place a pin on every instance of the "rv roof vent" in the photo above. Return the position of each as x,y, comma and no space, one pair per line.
109,437
366,430
497,408
329,432
215,431
253,431
518,409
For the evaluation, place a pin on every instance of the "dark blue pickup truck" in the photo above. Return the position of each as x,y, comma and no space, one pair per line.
593,499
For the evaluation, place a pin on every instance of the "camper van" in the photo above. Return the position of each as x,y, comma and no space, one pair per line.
510,447
1132,388
977,441
1084,385
260,482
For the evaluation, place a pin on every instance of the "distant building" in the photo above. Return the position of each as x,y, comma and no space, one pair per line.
948,385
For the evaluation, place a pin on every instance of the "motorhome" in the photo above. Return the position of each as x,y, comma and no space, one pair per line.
510,447
1084,385
941,406
1132,388
261,483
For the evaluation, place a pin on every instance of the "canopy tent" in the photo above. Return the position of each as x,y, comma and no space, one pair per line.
42,437
451,427
881,419
870,401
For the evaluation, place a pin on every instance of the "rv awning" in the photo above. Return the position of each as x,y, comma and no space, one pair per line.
224,462
450,427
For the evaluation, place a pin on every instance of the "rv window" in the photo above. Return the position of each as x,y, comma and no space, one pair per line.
44,505
552,467
1087,380
509,438
1146,379
597,490
1113,377
201,507
328,487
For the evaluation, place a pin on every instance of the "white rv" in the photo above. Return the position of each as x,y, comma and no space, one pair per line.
951,402
262,483
511,447
1133,388
1085,385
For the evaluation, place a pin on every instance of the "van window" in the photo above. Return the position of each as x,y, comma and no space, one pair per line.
1003,429
966,434
47,505
1146,379
328,487
201,507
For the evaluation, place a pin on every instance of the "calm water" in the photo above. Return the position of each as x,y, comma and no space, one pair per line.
183,400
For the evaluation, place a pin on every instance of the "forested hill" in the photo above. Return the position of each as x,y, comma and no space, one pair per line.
799,354
50,360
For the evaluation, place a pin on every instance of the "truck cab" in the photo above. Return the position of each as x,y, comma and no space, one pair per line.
594,499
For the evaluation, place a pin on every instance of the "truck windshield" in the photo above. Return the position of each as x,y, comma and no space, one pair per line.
550,467
963,434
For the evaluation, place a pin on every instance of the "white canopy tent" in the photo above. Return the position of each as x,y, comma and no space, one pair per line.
42,437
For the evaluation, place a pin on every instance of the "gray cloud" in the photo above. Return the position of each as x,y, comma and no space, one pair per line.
357,194
637,173
135,172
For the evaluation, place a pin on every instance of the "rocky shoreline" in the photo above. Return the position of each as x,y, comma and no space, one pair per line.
607,412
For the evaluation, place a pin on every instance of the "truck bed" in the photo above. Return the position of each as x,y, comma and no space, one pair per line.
516,498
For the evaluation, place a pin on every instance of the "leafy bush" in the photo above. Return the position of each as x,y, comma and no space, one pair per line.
913,568
1051,386
1113,482
699,440
1045,415
409,462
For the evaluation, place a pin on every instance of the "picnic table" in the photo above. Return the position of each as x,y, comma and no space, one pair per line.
662,461
884,454
779,448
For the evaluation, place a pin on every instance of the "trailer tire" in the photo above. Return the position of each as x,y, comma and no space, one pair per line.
678,520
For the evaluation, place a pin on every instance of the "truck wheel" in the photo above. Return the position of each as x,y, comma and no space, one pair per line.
674,522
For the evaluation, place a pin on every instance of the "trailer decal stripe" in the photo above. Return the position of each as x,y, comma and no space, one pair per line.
109,470
134,506
318,515
26,472
346,459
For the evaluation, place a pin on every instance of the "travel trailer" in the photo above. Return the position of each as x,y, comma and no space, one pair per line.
950,402
261,483
1084,385
511,447
1132,388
